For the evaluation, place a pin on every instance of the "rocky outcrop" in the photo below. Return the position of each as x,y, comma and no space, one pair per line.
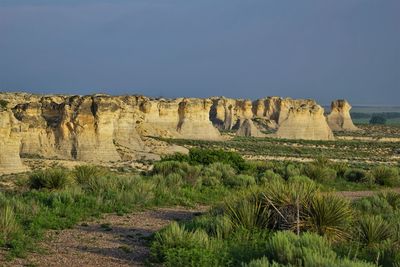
339,119
247,128
293,119
303,119
10,140
103,128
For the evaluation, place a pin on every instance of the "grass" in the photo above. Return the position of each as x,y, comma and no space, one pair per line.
264,196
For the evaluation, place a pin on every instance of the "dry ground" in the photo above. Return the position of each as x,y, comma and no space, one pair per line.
110,241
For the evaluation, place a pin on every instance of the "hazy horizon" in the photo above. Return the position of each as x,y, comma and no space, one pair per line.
323,50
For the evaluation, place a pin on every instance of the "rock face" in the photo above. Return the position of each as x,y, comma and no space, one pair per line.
293,119
339,119
102,128
10,140
300,119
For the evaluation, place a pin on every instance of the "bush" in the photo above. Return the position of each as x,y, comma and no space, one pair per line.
372,230
210,156
355,175
305,250
51,179
220,171
84,174
176,236
319,173
8,224
329,216
240,180
377,119
388,176
269,176
219,226
248,213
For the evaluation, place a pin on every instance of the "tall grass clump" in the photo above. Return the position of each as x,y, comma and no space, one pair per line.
388,176
84,174
318,172
8,224
51,179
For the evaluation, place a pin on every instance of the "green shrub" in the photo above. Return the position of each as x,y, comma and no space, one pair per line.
388,176
355,175
176,236
176,157
291,170
287,248
248,212
219,226
261,262
84,174
174,181
340,168
199,257
372,230
269,176
319,173
210,181
210,156
3,103
329,216
300,179
240,180
56,178
8,224
219,170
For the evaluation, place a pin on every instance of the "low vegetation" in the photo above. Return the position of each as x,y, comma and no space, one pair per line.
266,213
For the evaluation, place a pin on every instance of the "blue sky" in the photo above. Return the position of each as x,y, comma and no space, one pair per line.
303,49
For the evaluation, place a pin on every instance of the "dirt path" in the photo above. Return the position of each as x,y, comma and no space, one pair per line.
111,241
360,194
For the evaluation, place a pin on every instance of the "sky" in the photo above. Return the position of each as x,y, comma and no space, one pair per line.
325,50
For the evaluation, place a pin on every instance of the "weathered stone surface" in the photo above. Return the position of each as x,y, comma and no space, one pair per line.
247,128
303,119
103,128
339,119
294,118
10,161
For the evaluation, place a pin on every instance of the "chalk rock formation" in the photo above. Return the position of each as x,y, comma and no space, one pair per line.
339,119
303,119
10,161
247,128
296,119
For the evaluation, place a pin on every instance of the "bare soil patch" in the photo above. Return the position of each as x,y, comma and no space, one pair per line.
111,241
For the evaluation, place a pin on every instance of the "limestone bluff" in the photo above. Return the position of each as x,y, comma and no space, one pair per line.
103,128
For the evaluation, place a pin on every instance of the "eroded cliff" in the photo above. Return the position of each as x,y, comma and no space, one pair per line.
103,128
339,119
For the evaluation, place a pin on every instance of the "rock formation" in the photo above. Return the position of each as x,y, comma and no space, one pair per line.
102,128
301,119
293,119
10,141
339,119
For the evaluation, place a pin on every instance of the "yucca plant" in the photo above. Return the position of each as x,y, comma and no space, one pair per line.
286,202
329,216
248,212
83,174
56,178
371,230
